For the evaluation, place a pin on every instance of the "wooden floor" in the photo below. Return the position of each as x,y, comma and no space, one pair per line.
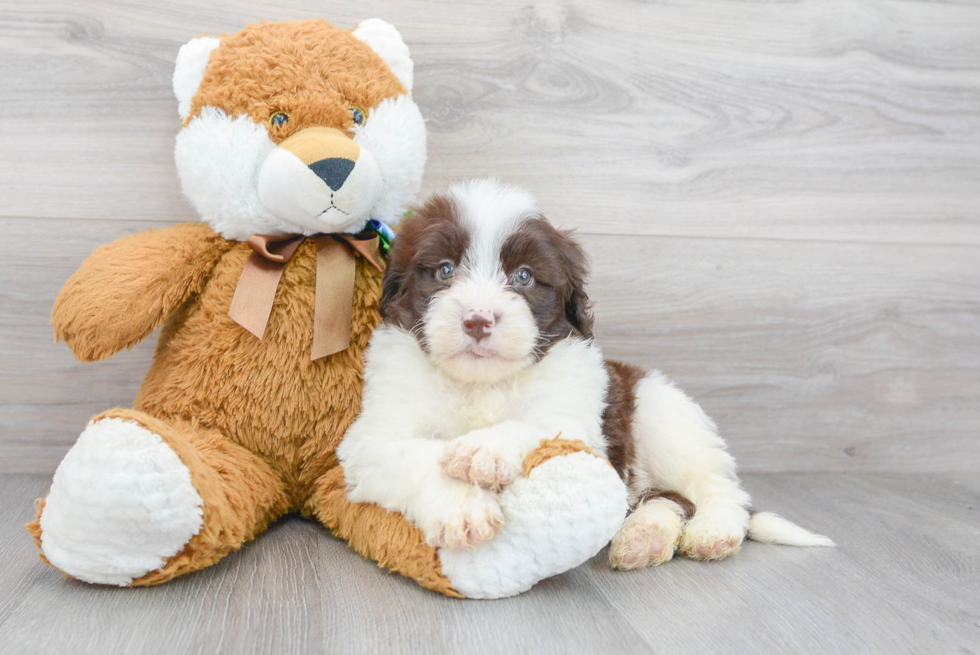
904,579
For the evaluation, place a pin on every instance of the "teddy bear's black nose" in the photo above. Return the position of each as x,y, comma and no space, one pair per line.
333,170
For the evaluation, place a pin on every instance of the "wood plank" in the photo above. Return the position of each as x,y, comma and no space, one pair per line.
806,120
903,579
809,355
295,590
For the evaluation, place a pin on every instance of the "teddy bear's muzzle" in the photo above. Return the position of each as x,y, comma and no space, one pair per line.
321,180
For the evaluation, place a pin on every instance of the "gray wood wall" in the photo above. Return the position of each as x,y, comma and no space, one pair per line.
781,199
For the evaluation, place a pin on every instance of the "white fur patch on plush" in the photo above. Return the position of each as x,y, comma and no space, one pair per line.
394,134
385,40
559,517
121,503
290,188
218,162
192,60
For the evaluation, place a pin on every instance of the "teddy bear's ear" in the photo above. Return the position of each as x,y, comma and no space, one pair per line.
191,62
385,40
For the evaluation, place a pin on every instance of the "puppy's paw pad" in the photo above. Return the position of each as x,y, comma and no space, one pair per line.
470,526
718,550
701,541
640,543
477,464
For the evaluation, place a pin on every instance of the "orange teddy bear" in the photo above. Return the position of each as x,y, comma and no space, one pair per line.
294,137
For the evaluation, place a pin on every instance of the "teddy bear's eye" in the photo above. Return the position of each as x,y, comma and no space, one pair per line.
358,115
279,119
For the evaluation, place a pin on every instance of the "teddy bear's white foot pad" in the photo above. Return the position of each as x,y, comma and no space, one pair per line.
555,519
121,503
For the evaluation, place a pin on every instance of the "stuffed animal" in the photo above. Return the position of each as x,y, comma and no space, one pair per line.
296,139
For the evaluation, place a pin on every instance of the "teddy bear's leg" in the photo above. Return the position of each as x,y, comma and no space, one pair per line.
383,536
563,510
560,513
139,500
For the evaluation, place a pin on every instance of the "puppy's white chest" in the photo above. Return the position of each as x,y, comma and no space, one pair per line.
485,407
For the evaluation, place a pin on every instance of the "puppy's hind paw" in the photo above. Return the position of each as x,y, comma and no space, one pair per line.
644,540
707,540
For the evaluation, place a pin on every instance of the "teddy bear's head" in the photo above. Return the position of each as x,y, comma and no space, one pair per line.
298,128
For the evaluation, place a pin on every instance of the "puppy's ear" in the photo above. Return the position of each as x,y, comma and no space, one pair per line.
578,312
396,302
393,293
578,309
390,287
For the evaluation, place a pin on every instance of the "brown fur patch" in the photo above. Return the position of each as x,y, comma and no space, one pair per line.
377,534
687,507
311,70
617,418
431,236
126,289
265,395
556,295
553,448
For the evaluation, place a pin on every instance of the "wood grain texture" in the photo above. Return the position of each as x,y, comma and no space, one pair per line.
810,356
782,200
903,579
847,121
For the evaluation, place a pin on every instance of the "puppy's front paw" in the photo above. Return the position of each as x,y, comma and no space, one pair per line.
477,463
467,522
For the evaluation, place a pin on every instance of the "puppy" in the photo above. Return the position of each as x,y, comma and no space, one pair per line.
485,350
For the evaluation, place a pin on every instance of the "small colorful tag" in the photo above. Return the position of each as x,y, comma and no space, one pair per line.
385,235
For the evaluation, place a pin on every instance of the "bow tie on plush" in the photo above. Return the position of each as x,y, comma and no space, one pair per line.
335,266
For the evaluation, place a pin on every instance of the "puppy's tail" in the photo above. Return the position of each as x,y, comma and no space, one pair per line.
774,529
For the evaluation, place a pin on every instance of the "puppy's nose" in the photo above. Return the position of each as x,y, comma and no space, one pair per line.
477,323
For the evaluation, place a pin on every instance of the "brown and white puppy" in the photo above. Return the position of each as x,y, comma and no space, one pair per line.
486,349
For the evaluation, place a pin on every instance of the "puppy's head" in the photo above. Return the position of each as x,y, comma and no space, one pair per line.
485,283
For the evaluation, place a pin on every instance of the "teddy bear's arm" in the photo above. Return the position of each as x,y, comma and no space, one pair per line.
125,289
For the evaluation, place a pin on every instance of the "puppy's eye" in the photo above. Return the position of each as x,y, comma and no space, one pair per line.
358,116
445,271
523,277
279,119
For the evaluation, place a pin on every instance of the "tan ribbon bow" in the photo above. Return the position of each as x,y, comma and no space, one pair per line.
335,266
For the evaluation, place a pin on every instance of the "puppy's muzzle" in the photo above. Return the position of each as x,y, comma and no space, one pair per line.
321,179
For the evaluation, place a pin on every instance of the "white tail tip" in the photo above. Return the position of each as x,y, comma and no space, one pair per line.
774,529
